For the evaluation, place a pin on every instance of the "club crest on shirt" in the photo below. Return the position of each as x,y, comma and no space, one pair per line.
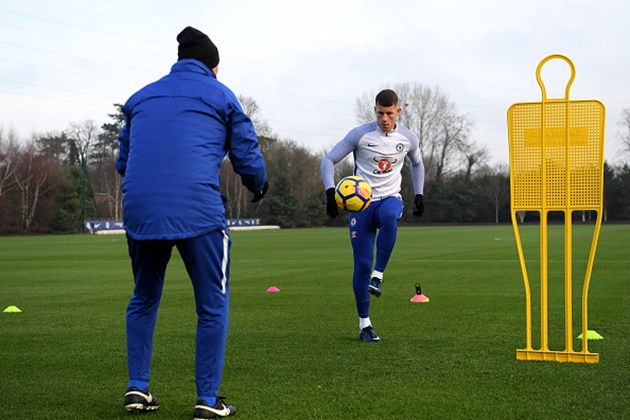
400,147
384,164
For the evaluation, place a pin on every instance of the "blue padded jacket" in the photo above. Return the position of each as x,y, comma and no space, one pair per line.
177,132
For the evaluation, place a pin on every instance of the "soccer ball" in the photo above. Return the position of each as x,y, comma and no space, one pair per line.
353,194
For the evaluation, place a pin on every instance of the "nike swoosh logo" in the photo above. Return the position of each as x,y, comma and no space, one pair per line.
371,145
148,397
224,412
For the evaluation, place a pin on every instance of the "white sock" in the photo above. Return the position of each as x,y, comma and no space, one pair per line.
364,322
377,274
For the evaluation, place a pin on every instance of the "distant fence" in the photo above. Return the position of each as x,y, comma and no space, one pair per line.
248,224
243,222
104,226
116,226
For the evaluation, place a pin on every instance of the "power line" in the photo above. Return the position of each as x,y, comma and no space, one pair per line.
309,79
267,65
56,88
92,75
56,99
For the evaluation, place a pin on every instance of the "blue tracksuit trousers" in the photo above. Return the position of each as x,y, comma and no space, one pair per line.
207,261
382,217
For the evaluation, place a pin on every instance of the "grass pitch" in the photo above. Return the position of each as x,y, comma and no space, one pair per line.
296,353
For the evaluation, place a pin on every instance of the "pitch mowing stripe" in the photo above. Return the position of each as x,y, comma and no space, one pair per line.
428,261
318,261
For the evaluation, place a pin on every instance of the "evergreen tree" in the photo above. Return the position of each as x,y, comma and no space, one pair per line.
282,203
69,217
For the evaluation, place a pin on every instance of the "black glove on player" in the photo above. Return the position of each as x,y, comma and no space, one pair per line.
259,195
419,202
331,205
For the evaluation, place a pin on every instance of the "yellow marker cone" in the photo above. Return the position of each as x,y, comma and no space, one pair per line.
12,309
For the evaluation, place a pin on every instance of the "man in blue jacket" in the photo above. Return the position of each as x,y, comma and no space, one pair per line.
177,132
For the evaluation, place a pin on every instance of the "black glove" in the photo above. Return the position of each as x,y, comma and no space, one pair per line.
331,205
418,201
259,195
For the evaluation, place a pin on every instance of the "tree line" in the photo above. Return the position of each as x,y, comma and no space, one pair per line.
54,182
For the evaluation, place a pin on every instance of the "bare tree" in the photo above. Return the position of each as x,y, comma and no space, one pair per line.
9,160
494,183
443,133
474,155
83,136
36,175
108,194
624,123
253,111
364,108
448,143
233,191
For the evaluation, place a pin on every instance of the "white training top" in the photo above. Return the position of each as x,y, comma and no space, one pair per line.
378,158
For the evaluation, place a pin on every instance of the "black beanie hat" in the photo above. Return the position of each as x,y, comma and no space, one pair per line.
195,44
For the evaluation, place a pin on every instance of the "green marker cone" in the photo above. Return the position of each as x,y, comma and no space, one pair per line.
592,335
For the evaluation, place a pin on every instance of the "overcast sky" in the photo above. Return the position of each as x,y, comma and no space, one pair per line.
307,62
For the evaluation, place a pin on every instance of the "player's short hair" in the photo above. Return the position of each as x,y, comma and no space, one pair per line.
386,97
